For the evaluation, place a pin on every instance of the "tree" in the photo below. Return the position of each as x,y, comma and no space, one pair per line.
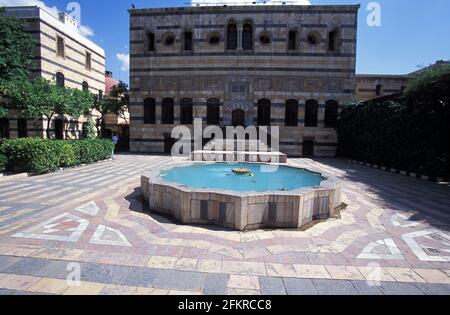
16,48
116,103
89,129
430,88
120,100
39,98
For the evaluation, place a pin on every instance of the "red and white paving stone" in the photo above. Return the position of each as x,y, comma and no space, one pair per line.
394,230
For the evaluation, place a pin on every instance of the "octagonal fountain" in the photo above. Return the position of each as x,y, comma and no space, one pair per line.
242,196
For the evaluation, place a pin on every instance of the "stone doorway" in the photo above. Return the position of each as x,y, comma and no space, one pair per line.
238,118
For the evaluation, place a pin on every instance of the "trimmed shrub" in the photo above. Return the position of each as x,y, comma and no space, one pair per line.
3,162
67,154
35,155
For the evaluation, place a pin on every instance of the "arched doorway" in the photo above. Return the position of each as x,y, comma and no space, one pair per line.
238,118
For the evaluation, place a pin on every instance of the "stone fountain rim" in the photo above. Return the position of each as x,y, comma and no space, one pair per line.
330,182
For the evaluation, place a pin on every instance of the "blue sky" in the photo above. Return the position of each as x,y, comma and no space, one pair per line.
412,32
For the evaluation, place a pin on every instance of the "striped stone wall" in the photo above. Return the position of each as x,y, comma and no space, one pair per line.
366,85
45,28
239,78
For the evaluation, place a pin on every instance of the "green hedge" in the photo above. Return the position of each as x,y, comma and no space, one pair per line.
35,155
409,132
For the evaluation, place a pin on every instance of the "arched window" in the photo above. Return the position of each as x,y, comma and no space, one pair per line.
291,111
4,128
232,36
85,86
59,129
186,111
333,40
311,113
149,111
247,36
264,108
100,94
168,111
379,90
22,127
213,111
331,114
292,40
60,80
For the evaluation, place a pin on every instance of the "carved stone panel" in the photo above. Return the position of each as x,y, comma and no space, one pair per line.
312,85
167,84
332,85
264,84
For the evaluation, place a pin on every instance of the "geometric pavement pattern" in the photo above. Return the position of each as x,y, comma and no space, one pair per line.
93,215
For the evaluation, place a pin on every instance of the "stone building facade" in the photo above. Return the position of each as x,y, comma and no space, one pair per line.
370,86
61,55
286,66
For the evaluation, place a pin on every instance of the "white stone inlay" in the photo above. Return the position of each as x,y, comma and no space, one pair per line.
46,230
90,208
419,250
108,236
387,244
399,217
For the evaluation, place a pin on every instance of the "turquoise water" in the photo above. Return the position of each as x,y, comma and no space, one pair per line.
220,176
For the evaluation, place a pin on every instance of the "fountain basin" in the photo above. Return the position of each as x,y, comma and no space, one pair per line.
288,198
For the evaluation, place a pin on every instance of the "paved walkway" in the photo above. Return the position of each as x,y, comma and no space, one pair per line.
393,238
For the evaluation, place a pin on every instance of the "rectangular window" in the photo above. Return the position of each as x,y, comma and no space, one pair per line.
149,111
188,41
292,40
331,41
150,41
60,46
88,61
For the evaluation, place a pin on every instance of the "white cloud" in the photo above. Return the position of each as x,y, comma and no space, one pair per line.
84,30
248,2
125,60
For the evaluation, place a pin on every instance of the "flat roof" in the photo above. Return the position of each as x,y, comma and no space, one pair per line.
246,8
390,76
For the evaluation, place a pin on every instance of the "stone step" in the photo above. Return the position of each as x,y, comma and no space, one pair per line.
237,145
241,156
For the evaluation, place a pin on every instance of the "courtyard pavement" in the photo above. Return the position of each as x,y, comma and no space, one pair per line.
393,238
